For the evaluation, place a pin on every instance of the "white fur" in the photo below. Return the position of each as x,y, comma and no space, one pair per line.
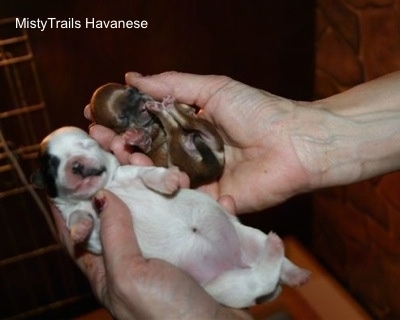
236,264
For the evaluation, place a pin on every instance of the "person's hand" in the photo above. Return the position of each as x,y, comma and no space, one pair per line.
262,167
275,147
262,164
132,287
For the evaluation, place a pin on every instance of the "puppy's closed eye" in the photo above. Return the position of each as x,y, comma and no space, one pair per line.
88,144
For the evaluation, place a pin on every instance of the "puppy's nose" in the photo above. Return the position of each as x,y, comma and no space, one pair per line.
84,171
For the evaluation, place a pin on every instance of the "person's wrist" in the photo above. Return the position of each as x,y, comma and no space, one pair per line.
360,145
337,149
320,139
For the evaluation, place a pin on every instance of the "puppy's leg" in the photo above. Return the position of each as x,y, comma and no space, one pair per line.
199,155
243,287
162,180
188,120
290,274
80,224
293,275
204,138
174,134
168,182
181,151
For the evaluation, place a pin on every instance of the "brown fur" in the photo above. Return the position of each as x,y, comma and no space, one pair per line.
171,134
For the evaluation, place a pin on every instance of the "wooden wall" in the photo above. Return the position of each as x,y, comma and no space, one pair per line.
356,227
267,44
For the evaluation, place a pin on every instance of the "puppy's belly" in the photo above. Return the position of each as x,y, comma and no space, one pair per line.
188,231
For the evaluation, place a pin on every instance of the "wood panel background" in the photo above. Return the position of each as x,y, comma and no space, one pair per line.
357,228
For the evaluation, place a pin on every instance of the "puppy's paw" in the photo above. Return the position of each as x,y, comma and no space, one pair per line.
139,138
292,275
80,225
296,277
175,179
154,106
169,102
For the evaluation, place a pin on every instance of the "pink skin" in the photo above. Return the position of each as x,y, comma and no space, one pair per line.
167,102
295,277
81,185
225,255
139,138
275,246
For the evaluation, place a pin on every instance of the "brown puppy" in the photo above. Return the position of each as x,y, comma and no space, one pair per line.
171,134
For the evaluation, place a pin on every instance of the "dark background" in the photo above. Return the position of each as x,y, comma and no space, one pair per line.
266,44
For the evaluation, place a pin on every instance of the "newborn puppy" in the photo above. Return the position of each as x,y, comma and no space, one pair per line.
170,133
236,264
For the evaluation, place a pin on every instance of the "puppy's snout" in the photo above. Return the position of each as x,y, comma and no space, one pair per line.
80,169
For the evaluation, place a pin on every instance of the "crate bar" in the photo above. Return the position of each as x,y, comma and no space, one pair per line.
16,112
6,42
26,57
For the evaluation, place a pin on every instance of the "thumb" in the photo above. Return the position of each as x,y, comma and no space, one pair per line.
116,231
186,88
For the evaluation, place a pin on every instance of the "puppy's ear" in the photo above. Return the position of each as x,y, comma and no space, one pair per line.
37,179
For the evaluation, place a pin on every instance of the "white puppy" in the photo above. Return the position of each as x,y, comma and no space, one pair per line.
236,264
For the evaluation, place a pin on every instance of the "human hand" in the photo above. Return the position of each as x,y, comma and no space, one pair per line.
262,167
132,287
275,147
262,163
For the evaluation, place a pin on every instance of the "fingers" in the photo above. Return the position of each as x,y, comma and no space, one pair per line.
186,88
119,243
110,141
184,181
88,113
228,203
140,159
104,136
91,265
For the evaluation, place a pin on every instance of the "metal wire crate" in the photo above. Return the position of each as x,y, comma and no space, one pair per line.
36,276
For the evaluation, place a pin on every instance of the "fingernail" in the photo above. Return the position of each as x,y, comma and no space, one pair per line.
99,201
133,74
